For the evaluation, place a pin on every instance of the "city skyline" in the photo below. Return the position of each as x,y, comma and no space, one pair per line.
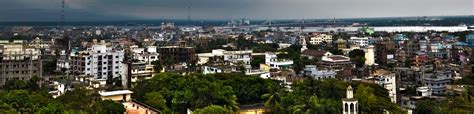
103,10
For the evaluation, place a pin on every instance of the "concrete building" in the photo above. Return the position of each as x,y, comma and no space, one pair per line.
361,41
320,38
179,53
369,55
313,71
131,73
19,61
98,60
470,39
388,81
438,81
135,107
148,54
315,54
211,70
272,60
303,43
335,62
234,57
119,95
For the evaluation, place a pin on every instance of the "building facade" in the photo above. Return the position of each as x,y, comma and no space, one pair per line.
361,41
99,61
19,61
178,54
320,38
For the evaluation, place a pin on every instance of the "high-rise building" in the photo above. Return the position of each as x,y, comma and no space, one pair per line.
369,55
98,60
19,61
178,54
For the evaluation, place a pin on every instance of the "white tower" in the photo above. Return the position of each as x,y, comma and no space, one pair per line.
369,55
303,43
349,104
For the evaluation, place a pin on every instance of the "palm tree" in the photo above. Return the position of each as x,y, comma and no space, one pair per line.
273,97
273,101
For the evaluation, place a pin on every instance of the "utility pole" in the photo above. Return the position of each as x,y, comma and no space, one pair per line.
189,10
62,13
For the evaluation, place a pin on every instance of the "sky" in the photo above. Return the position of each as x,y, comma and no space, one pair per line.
104,10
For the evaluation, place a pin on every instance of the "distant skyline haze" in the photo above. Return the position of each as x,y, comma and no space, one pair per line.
111,10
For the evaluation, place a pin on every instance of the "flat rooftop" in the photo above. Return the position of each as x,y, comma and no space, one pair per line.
118,92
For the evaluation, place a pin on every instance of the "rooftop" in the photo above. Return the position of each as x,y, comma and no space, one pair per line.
118,92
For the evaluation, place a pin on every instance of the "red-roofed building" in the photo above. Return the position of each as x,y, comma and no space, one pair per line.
335,62
315,54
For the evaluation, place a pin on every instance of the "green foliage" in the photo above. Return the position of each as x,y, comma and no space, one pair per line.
49,66
79,99
213,109
358,57
324,97
15,84
177,93
257,60
336,52
248,89
374,99
108,107
182,92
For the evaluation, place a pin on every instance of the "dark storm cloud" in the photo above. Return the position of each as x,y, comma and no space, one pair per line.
48,10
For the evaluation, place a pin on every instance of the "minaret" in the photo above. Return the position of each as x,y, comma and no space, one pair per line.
349,104
303,43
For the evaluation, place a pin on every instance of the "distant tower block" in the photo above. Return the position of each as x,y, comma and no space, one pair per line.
303,43
370,55
349,104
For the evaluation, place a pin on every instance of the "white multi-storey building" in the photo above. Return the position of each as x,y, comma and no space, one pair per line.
99,61
369,55
233,57
312,70
272,60
361,41
438,81
320,38
148,54
388,81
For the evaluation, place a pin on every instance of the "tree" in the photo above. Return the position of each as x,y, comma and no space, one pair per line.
192,91
372,101
336,52
213,109
156,100
109,107
358,57
257,60
79,99
15,85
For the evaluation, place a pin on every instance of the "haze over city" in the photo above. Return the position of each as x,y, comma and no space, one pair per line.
237,56
107,10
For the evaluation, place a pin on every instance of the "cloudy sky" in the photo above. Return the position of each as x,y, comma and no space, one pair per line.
103,10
